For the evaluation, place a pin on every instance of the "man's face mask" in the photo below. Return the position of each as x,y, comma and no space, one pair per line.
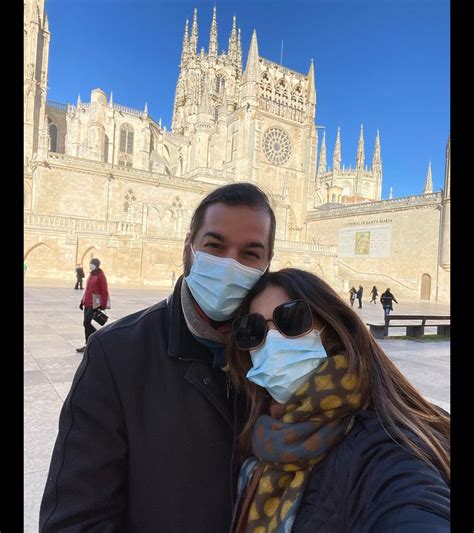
219,284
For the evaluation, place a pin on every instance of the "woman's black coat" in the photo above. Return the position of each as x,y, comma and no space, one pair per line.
370,484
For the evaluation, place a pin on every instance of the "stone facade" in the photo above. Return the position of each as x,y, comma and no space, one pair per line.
102,179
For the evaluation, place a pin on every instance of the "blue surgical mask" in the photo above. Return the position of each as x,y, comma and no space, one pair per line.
219,284
281,365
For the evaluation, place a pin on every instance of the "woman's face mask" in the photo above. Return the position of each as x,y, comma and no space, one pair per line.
92,267
281,365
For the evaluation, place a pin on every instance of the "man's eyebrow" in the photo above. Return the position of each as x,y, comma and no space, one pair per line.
255,244
217,236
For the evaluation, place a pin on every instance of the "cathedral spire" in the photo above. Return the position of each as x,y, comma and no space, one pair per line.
311,93
233,52
239,51
447,173
194,34
185,51
111,99
251,70
336,158
376,159
79,99
213,34
322,158
428,181
360,150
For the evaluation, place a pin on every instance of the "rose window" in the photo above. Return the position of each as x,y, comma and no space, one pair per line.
276,146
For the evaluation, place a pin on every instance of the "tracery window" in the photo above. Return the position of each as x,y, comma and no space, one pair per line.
129,198
220,83
126,139
276,146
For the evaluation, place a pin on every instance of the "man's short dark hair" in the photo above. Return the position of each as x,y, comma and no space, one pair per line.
235,194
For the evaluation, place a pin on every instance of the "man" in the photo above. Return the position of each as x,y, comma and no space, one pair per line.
359,295
387,300
146,433
79,277
95,297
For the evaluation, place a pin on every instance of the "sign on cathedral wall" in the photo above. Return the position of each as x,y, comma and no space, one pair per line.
365,241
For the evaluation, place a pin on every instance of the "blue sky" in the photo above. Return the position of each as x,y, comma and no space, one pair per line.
382,63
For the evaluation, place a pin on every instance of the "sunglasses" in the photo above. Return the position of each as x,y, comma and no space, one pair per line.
292,319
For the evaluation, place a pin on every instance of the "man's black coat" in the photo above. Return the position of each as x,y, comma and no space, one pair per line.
145,435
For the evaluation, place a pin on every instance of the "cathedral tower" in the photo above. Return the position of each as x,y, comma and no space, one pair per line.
36,37
445,255
212,72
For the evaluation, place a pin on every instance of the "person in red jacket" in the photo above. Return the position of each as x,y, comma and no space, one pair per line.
96,285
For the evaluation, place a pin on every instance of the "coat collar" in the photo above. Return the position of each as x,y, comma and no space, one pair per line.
181,343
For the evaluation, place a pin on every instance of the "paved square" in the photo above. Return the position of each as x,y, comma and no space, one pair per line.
53,331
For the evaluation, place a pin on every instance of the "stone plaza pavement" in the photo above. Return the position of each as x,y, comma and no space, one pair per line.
53,330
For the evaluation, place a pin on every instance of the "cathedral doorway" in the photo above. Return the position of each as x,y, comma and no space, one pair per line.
425,287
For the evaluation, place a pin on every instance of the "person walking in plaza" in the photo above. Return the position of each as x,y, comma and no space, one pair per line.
337,438
374,293
96,288
146,434
359,295
352,295
386,300
79,277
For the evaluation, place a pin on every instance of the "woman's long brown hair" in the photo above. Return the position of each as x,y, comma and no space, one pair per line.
396,402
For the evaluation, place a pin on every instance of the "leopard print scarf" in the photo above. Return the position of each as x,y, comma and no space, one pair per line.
295,437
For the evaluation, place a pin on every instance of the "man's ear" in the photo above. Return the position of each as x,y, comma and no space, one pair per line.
187,244
270,261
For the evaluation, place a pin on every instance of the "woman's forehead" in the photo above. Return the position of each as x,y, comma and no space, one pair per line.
266,301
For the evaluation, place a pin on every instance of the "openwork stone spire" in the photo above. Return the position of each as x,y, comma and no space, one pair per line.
336,158
213,35
428,181
360,150
194,33
185,51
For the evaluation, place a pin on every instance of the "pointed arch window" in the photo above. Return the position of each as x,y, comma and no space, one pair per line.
106,149
220,83
126,139
53,136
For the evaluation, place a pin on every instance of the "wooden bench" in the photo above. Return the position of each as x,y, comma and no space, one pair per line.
379,331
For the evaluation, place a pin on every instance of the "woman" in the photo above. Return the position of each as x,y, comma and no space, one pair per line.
374,293
337,439
386,300
352,295
96,296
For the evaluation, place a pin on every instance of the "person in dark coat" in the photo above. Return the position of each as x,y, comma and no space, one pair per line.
359,294
96,287
337,438
374,293
146,434
387,300
79,277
